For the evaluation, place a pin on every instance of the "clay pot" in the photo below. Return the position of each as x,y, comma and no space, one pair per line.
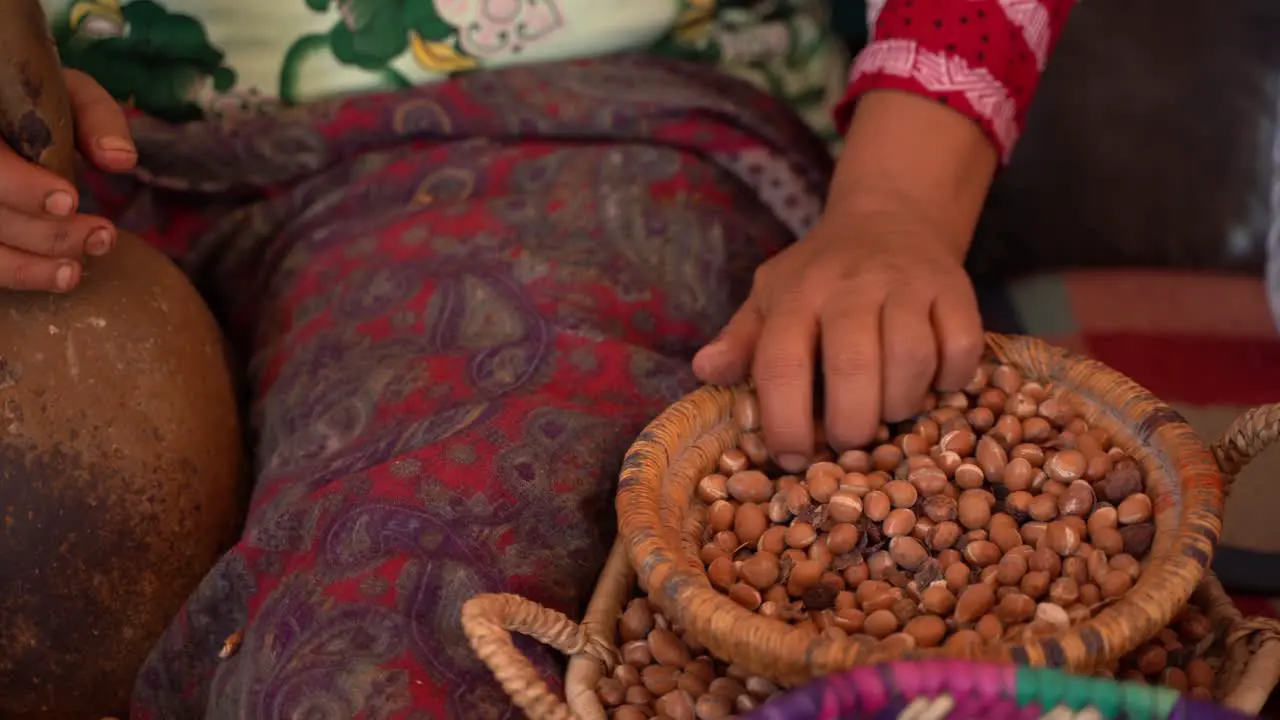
121,454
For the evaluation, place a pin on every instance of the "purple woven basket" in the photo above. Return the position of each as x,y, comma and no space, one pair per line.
959,690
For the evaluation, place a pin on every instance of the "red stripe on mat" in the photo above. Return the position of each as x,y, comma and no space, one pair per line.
1200,370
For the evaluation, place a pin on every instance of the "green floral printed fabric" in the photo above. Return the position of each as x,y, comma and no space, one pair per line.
185,59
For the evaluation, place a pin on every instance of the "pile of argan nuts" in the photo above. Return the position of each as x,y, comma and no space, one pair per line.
996,515
666,675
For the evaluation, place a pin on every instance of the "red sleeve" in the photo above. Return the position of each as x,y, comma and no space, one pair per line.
982,57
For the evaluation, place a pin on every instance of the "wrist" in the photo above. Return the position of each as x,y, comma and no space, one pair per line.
909,152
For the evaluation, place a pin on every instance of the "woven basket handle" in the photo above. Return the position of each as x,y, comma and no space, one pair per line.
1250,434
488,621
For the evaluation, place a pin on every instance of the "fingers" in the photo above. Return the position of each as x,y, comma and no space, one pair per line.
957,325
783,367
102,131
24,271
727,359
910,353
851,364
53,237
30,188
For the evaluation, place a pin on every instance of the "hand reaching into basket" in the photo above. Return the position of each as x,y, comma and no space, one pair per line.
42,236
877,292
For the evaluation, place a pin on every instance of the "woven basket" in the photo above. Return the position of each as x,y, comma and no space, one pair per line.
1246,651
658,535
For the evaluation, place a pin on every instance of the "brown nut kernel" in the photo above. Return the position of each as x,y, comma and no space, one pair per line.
900,522
845,506
974,602
981,553
876,506
1078,499
880,624
1015,607
927,630
1134,509
750,486
908,553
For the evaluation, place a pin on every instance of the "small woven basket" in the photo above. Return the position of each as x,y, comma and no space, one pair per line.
659,536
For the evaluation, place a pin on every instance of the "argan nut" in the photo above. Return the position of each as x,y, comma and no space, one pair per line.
1078,499
845,506
1053,614
1200,674
677,705
1136,539
1175,678
969,477
943,535
981,553
761,571
929,480
927,630
973,511
1044,559
902,494
637,653
854,461
804,575
1018,474
974,602
1195,627
991,458
1006,538
749,523
989,627
1043,508
1010,569
1090,595
1015,608
636,621
963,641
899,523
876,506
1115,584
939,508
721,573
1064,592
937,599
880,624
1127,563
956,576
750,486
801,535
908,553
1061,538
1151,659
1066,465
660,679
713,487
1109,541
713,707
823,479
720,515
668,648
1035,584
843,538
1134,509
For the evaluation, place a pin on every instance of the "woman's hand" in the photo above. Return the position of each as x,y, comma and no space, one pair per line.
877,291
42,236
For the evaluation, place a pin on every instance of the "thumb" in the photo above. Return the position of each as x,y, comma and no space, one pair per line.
727,359
102,131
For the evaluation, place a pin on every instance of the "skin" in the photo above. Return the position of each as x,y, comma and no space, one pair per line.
875,298
42,236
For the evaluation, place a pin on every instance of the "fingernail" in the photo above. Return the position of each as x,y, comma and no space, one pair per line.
112,143
59,202
793,463
99,242
64,277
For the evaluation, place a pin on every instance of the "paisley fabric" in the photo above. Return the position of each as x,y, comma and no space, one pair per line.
455,307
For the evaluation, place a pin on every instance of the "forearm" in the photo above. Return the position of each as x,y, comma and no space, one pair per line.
901,146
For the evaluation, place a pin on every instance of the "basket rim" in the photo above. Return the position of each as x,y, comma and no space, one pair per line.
1169,576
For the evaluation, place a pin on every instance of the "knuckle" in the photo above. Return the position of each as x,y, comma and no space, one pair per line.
964,348
780,366
58,239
